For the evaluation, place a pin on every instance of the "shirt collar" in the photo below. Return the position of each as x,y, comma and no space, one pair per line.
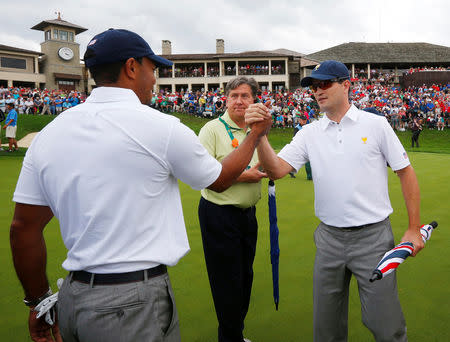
231,123
352,114
112,94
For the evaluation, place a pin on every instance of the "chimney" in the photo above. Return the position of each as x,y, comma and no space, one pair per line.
166,47
220,46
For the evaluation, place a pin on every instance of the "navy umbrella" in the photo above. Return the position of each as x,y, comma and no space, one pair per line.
274,247
397,255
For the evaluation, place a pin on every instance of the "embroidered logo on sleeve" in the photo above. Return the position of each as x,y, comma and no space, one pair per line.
405,155
364,139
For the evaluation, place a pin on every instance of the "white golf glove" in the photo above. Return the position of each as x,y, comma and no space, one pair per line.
47,306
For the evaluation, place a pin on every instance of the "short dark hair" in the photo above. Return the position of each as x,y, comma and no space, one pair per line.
11,104
106,73
236,82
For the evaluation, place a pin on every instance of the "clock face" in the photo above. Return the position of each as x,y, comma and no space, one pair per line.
65,53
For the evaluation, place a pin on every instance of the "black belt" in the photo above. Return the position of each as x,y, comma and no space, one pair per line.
358,227
117,278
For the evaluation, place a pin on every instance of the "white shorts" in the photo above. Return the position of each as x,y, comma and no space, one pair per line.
11,131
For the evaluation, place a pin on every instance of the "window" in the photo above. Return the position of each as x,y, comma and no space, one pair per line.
66,82
63,35
15,63
70,36
55,34
48,35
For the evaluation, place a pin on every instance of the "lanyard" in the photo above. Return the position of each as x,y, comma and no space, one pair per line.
234,141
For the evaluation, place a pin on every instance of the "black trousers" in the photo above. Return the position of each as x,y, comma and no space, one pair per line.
415,138
229,242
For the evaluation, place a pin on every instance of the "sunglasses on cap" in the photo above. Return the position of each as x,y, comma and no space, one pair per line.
325,84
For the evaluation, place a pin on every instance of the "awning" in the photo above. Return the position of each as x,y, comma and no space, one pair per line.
66,76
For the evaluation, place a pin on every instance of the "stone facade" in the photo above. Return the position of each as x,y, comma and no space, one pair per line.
53,64
28,75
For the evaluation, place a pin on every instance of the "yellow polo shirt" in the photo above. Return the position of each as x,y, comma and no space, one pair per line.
215,138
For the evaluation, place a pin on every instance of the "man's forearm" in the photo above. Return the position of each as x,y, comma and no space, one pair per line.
411,195
270,161
28,247
30,258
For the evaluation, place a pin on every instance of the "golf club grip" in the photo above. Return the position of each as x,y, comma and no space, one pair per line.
433,224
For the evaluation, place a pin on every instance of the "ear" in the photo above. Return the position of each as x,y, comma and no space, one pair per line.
130,68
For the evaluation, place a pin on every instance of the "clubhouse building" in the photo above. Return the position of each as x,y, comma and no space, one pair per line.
58,64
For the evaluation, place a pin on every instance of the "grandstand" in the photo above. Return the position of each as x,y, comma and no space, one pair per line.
366,59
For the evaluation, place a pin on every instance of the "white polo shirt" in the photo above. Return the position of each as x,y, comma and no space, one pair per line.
348,162
108,169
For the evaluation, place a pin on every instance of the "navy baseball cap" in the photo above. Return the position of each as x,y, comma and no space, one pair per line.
327,70
116,45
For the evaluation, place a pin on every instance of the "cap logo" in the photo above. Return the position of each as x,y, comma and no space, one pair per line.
92,42
317,67
364,139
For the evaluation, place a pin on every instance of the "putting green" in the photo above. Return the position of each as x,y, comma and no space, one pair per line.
423,281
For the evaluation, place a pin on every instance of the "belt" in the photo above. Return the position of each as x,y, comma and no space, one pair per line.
355,228
117,278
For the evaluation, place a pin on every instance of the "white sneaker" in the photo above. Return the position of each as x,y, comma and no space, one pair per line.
247,340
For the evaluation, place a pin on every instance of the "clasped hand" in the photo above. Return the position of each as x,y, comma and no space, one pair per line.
258,118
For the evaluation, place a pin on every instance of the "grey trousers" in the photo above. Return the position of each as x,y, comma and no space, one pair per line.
340,254
139,311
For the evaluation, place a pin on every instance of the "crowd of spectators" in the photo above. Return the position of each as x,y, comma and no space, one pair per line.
261,69
430,104
189,71
387,76
413,70
182,70
38,102
377,76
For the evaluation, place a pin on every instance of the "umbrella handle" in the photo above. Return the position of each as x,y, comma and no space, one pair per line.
376,275
427,229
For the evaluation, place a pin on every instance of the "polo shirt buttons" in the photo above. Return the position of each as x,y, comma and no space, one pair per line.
340,141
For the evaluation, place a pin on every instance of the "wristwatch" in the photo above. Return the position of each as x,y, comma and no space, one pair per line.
34,302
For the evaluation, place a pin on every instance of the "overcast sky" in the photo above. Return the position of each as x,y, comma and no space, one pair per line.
305,26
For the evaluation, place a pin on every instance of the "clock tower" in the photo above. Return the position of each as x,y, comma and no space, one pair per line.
61,63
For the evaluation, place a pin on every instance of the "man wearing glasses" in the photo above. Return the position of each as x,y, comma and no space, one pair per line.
348,150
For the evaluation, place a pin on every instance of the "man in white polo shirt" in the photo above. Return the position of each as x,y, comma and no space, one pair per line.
348,150
108,169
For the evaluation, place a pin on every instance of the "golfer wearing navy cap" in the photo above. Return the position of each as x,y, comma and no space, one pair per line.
108,169
348,150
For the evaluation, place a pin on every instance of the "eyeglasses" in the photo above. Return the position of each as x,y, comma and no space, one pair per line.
325,84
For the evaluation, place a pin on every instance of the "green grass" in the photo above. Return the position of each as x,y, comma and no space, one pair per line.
25,124
423,281
430,141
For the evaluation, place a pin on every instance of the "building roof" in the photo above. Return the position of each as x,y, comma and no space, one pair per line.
204,56
385,53
59,22
14,49
305,62
288,52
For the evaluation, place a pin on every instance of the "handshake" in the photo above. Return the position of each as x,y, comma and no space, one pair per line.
258,118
